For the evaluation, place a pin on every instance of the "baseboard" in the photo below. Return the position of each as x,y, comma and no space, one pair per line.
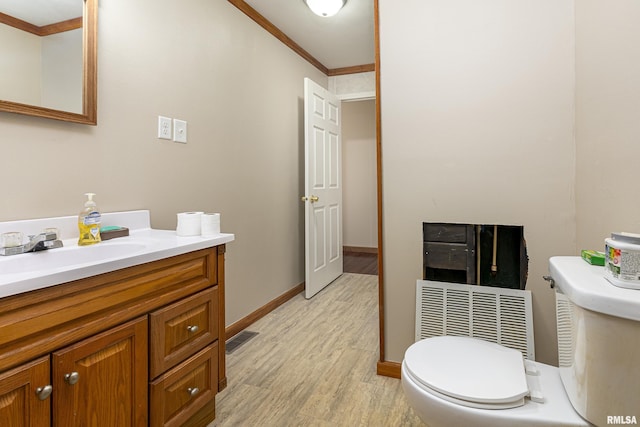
247,321
389,369
360,249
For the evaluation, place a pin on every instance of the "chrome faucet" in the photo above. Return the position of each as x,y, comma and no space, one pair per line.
39,242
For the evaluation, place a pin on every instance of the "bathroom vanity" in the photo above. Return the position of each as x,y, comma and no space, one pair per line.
139,344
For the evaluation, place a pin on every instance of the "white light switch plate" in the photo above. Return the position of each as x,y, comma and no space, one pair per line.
180,131
164,127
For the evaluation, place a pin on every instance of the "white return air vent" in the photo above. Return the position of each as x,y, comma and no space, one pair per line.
499,315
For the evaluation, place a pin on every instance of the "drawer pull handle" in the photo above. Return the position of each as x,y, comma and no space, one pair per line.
192,328
44,392
72,378
193,391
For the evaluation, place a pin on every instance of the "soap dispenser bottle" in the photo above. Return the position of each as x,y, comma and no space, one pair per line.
89,222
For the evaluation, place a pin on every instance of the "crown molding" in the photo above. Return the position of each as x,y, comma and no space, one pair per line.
288,41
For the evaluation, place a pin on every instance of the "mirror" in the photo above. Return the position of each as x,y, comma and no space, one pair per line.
48,61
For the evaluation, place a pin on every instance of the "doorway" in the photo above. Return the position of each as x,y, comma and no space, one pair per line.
359,173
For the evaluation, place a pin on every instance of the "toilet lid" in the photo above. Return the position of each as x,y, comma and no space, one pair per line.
473,372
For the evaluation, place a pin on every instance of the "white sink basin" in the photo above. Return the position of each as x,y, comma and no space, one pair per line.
68,256
32,271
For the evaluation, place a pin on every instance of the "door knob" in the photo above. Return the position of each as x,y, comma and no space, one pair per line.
44,392
72,378
192,328
312,199
193,391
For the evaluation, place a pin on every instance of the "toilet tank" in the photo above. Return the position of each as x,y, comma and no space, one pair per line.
598,342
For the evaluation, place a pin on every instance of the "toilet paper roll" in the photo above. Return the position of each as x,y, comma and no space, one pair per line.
189,224
210,224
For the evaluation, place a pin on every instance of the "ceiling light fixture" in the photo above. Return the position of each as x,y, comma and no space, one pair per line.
325,8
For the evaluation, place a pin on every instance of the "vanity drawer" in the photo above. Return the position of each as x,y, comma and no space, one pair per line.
181,329
186,389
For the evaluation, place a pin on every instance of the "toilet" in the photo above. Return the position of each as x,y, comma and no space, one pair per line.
462,381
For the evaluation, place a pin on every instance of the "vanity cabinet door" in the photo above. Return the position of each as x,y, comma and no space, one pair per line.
25,395
102,381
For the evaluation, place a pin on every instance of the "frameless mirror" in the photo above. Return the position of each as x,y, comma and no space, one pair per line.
48,64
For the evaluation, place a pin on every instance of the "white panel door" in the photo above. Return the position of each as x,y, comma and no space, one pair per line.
323,188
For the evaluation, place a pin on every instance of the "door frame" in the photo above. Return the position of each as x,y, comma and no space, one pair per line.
383,368
390,369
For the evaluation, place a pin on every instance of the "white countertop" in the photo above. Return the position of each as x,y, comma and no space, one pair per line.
31,271
586,286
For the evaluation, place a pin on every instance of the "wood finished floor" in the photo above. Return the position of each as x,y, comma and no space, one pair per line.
360,262
313,363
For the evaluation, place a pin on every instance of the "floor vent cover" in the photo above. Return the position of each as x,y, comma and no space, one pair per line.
237,340
499,315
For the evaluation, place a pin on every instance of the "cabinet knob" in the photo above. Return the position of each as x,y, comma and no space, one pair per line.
192,328
44,392
72,378
193,391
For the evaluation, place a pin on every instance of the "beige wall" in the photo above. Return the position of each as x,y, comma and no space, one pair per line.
44,71
359,196
20,79
477,127
607,119
62,71
239,89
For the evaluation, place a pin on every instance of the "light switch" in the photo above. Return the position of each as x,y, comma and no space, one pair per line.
180,131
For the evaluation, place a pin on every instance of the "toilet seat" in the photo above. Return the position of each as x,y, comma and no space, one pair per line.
469,372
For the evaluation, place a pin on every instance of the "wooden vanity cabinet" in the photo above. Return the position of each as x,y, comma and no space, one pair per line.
179,328
20,404
199,377
81,353
102,378
183,382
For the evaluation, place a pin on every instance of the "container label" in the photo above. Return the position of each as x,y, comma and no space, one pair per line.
623,264
629,265
92,218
